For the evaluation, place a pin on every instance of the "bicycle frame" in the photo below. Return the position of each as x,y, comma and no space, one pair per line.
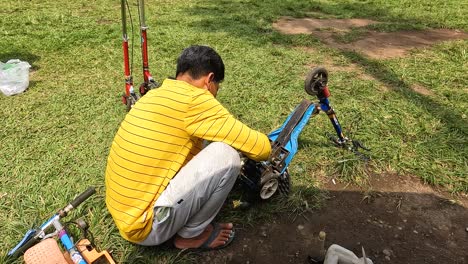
265,178
34,236
289,143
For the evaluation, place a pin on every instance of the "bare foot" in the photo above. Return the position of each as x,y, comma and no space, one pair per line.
195,242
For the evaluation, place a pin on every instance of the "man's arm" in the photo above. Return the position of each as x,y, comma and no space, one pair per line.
208,119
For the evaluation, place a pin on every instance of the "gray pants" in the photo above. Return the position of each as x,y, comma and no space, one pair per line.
195,195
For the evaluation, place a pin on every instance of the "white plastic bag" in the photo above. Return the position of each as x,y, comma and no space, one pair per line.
14,76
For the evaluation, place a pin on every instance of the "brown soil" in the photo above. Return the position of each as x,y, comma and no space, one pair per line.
289,25
396,219
421,89
379,45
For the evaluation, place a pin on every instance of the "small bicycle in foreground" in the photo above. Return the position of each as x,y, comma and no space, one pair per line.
38,245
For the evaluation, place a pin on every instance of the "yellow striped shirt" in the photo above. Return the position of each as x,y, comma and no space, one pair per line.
159,135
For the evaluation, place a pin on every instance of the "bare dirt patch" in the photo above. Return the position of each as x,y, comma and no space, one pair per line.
379,45
290,25
396,219
383,45
421,89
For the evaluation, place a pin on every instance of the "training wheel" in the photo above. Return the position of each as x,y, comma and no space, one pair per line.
316,81
268,189
269,186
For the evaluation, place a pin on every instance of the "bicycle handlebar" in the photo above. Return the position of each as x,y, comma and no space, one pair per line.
35,235
83,196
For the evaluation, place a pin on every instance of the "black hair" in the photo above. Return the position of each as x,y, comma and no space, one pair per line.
200,60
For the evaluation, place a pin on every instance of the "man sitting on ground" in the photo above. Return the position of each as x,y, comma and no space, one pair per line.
160,181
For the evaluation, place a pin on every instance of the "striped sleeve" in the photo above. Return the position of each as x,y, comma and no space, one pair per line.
206,118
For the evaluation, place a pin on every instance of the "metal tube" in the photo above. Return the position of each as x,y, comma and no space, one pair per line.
75,255
141,6
124,19
325,106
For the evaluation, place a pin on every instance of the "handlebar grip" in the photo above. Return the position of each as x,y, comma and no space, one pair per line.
82,197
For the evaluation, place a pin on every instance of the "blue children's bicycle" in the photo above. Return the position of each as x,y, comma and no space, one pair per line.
37,241
264,179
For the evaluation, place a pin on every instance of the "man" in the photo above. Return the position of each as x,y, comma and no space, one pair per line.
160,181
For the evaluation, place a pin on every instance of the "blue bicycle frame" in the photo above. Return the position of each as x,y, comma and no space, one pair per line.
291,145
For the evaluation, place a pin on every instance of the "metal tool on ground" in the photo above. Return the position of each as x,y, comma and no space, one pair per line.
264,179
39,240
339,255
130,97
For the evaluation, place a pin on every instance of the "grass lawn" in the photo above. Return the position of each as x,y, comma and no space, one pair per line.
54,138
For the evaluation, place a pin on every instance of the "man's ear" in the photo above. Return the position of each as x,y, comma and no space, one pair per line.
205,80
210,77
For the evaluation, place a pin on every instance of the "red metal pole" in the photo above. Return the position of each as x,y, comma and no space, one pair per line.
128,75
148,81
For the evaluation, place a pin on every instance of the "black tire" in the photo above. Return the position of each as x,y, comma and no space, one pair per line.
285,183
316,81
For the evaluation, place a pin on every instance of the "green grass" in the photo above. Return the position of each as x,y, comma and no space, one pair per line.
55,137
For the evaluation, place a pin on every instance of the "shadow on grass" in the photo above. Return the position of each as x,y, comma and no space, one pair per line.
450,116
251,21
23,56
248,20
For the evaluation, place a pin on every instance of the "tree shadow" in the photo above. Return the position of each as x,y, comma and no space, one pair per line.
23,56
251,21
450,116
